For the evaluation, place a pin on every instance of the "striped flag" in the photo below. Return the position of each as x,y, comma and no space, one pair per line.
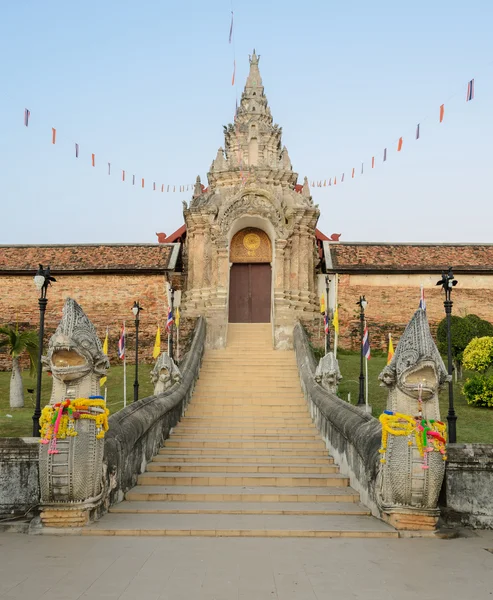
169,321
326,323
390,353
422,301
231,28
470,91
121,343
27,114
366,343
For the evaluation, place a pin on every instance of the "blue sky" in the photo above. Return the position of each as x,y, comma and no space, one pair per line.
147,86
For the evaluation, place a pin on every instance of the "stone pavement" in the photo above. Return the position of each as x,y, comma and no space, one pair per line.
157,568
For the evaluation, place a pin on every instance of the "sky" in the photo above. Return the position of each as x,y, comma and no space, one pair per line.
147,87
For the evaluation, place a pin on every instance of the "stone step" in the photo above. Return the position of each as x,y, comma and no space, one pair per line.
241,508
241,526
233,479
245,467
239,411
204,434
305,452
240,494
287,444
220,431
174,456
238,421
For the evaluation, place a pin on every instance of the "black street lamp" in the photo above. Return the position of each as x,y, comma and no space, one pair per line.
136,309
448,283
42,280
362,303
327,313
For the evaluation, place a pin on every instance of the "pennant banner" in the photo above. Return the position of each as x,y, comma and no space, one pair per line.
27,114
53,135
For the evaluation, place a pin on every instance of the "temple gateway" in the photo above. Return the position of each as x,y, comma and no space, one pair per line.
250,250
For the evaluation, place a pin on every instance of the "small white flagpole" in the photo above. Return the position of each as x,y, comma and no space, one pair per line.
124,368
366,382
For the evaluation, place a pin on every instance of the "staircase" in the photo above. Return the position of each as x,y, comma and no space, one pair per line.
246,460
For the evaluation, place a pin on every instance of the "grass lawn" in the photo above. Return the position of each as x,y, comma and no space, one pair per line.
20,423
473,424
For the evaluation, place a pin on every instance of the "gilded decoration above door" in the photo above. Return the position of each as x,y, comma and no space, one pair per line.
251,245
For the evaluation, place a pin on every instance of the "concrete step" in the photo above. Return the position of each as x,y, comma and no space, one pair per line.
174,456
241,526
268,437
271,494
245,467
242,508
301,452
233,479
183,429
239,443
239,421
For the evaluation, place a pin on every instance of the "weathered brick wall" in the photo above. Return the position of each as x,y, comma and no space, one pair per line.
106,299
393,299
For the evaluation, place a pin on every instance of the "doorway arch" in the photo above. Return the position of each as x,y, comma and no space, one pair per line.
250,278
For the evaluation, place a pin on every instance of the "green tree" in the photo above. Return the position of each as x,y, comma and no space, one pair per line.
17,342
463,330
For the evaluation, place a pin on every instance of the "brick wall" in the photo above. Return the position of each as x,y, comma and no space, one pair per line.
106,299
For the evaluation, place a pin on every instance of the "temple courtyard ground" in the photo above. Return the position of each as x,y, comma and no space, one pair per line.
153,568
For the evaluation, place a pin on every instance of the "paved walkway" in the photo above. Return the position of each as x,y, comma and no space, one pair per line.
133,568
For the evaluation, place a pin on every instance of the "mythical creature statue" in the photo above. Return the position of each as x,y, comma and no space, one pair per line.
164,374
73,423
75,356
413,437
328,374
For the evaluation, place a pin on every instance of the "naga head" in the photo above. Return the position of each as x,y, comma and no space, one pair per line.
416,368
328,374
74,349
165,373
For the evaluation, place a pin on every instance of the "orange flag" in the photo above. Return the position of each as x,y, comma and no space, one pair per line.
399,145
93,159
53,135
335,180
142,182
372,162
442,112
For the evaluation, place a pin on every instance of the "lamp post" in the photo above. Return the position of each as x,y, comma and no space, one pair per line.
362,303
136,309
42,280
448,283
327,313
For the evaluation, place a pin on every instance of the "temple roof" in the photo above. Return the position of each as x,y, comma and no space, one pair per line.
374,257
90,258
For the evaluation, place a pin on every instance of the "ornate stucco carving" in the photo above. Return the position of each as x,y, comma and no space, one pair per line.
71,469
413,464
164,374
328,374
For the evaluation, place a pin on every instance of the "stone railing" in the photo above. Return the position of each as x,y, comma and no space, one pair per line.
19,476
351,435
467,494
137,432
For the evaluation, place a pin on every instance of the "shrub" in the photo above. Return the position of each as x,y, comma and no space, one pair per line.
478,356
478,391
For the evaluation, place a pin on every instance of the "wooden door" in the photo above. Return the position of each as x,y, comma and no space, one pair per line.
249,293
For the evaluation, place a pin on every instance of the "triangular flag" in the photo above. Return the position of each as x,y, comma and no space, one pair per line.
342,178
53,135
384,154
102,381
417,131
93,159
335,320
123,175
391,350
109,168
399,145
442,112
27,114
76,150
352,175
470,91
157,344
142,182
372,162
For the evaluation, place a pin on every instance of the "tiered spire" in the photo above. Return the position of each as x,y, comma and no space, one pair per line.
254,141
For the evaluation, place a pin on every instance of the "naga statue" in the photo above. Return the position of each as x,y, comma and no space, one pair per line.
73,424
413,437
328,374
164,374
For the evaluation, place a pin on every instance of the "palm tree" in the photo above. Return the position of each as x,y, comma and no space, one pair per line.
16,343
